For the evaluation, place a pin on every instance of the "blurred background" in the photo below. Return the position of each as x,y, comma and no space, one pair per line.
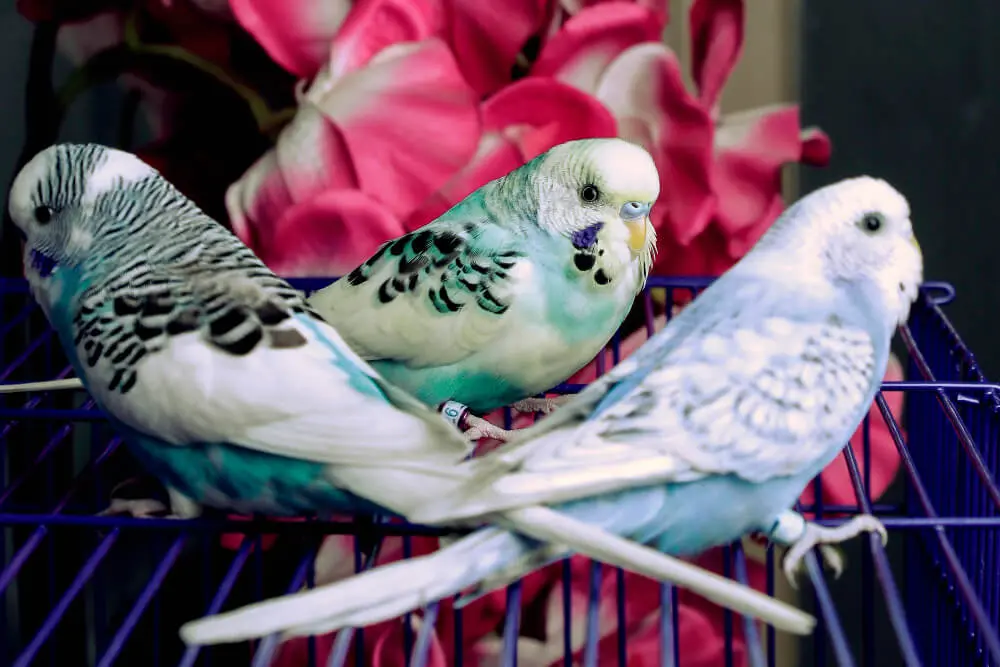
903,90
906,91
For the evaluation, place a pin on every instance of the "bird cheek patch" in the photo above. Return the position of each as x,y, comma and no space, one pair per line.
42,263
587,237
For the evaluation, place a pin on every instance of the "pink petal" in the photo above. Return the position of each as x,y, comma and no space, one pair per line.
520,122
566,113
705,255
329,235
310,157
816,147
716,42
408,120
752,147
296,34
487,37
580,52
373,25
335,559
661,7
644,89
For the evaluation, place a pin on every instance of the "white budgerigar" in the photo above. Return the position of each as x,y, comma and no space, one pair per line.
513,289
709,431
223,381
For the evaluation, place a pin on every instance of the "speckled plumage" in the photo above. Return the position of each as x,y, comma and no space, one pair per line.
512,290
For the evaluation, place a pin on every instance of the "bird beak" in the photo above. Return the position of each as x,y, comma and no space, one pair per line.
636,217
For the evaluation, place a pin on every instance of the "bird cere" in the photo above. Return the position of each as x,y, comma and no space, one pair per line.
240,394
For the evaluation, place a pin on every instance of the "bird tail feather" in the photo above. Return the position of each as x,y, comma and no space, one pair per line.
485,559
382,593
554,527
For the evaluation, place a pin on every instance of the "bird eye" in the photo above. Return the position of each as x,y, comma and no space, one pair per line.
590,193
43,214
872,222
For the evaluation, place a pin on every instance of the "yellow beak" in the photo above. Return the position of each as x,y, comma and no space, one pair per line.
637,234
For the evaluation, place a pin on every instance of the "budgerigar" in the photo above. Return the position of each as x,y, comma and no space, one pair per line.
225,383
709,431
221,378
512,290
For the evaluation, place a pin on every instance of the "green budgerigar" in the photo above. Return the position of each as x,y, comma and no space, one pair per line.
513,289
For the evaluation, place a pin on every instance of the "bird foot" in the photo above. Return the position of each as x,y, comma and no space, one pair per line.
480,428
822,537
139,508
135,497
543,405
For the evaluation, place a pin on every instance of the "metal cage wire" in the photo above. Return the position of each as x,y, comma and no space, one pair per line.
113,590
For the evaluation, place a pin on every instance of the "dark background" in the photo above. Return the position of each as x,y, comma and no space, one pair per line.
910,92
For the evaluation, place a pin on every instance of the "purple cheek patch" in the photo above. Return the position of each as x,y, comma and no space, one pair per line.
586,238
42,263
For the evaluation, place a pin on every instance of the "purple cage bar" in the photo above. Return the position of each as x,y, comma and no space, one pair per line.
87,590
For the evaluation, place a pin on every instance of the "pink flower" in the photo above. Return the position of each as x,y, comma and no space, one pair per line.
720,179
378,130
485,37
520,122
297,35
661,7
387,137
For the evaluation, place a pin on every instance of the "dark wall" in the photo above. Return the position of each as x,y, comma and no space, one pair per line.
910,91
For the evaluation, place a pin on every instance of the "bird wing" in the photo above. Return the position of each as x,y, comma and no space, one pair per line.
751,391
211,346
434,296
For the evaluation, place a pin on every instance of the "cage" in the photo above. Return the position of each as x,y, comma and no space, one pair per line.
83,589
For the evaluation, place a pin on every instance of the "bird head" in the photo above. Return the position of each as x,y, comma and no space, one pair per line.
61,202
857,231
599,188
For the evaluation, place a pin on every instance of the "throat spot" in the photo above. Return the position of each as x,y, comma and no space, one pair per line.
584,261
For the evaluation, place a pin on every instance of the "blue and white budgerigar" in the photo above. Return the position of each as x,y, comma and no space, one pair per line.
709,431
512,290
223,381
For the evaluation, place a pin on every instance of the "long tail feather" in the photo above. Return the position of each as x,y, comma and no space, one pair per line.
379,594
551,526
484,559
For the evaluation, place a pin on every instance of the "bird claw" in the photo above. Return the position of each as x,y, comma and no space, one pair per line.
480,428
824,538
139,508
543,405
